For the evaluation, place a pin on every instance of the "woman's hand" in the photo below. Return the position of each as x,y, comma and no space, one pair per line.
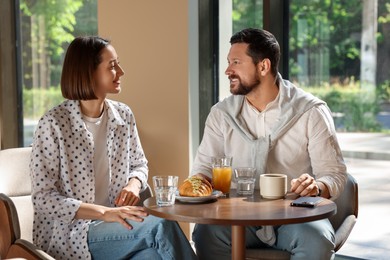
120,214
129,195
114,214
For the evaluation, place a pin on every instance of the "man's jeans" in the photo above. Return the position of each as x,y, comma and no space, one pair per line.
311,240
154,238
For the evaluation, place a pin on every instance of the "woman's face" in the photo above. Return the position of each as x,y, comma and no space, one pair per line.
108,73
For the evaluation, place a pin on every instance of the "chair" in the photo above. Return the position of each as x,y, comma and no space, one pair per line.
15,183
147,193
11,245
342,222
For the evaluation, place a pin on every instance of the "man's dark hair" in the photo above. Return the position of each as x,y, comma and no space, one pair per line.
261,45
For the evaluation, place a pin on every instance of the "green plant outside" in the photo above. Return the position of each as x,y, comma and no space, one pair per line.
383,91
36,102
353,109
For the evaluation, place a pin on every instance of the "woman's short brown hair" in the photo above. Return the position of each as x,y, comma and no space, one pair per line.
81,61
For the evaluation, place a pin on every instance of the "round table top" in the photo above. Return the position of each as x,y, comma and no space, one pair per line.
241,211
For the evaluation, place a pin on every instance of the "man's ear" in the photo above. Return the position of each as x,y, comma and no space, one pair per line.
264,67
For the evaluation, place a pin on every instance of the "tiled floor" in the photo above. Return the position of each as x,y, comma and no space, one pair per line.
370,238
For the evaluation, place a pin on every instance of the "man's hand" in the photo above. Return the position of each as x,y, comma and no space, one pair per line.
129,195
203,176
305,185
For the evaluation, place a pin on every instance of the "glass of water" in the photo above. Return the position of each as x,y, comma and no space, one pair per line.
165,189
245,178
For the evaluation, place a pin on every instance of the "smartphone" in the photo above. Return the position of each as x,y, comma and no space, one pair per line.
308,202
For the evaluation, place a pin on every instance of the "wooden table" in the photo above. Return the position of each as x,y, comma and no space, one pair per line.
240,212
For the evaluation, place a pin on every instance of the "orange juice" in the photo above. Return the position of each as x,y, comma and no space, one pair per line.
222,177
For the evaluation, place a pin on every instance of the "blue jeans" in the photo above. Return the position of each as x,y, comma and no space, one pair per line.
154,238
311,240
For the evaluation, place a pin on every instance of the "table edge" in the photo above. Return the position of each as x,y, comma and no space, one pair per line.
248,222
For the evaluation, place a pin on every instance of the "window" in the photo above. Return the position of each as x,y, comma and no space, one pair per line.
46,29
235,16
338,50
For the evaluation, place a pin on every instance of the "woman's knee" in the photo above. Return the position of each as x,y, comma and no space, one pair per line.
153,224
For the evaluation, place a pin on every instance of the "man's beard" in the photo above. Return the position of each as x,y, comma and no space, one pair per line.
244,89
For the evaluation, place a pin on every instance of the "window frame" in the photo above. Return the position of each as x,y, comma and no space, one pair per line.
209,48
11,130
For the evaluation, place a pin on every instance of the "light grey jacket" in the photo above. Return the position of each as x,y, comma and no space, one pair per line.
301,140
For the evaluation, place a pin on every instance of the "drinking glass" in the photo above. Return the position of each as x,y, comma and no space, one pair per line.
222,173
165,189
245,178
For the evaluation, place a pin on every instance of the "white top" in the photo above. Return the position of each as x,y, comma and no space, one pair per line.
259,123
98,128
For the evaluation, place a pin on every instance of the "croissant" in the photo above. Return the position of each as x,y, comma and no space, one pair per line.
195,186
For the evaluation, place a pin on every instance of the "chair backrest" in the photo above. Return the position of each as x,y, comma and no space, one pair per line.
9,225
347,203
15,183
14,171
347,211
147,193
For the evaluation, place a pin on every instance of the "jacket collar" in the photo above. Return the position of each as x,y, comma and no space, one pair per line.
73,106
293,102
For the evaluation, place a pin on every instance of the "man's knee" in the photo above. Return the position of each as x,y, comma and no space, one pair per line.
304,240
211,232
212,241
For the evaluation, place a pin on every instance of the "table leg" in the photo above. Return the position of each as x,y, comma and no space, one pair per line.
238,242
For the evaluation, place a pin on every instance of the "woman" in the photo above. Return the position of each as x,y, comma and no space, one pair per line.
88,168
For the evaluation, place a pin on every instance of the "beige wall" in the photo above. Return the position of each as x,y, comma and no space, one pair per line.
151,39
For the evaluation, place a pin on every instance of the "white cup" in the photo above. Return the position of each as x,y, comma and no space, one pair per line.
273,185
165,189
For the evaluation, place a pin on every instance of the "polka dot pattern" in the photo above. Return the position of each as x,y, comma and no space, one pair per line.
62,173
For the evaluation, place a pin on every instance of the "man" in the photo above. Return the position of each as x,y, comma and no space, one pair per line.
271,125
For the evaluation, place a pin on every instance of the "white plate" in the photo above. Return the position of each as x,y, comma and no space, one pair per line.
213,196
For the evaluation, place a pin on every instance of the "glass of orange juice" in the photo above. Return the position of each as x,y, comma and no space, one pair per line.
222,173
